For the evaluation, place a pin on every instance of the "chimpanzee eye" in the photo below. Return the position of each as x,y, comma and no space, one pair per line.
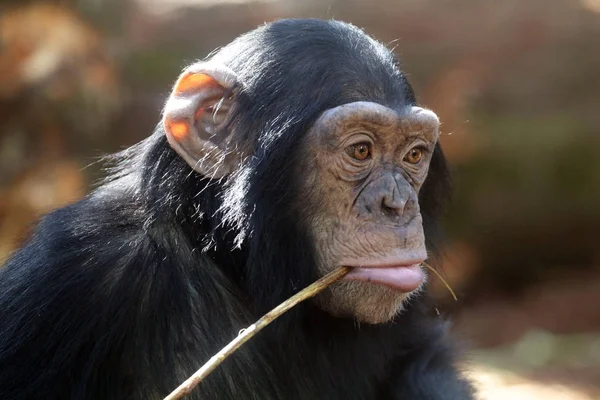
359,151
414,156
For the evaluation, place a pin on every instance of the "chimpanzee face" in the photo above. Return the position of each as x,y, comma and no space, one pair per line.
364,166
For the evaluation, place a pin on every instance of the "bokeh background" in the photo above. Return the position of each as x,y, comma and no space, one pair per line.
516,84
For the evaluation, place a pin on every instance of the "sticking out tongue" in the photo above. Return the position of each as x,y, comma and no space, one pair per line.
404,278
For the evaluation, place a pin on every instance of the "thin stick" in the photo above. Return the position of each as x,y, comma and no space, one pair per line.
442,279
186,387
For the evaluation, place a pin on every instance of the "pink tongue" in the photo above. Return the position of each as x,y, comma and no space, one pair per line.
403,278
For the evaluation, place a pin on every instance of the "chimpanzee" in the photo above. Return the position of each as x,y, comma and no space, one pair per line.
295,149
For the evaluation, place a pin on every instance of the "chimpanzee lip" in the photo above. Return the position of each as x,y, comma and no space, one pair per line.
404,277
389,264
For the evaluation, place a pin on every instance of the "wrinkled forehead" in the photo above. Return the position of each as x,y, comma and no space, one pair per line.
410,120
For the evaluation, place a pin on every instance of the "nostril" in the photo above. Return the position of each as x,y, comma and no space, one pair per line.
394,204
389,208
389,211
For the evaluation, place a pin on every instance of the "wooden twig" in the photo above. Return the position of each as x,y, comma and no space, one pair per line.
186,387
442,279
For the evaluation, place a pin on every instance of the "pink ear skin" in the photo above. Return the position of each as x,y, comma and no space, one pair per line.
195,115
194,82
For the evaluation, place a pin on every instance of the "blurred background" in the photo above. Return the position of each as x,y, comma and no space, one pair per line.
516,84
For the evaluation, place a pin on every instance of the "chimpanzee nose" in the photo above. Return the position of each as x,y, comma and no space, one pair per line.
393,203
390,198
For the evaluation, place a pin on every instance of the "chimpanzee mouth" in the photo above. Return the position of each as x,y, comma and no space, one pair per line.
404,278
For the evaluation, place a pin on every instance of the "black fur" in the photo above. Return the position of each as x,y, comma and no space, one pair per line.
127,292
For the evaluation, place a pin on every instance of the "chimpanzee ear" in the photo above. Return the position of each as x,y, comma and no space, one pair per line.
196,115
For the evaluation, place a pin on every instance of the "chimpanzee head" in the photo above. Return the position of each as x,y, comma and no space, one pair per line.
313,132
